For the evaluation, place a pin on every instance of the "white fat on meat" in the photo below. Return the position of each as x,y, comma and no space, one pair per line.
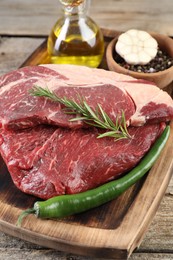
141,92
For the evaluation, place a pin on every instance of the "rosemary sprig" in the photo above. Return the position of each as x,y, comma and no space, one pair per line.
97,118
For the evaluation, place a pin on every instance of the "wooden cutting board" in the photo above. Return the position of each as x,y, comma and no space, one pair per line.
113,230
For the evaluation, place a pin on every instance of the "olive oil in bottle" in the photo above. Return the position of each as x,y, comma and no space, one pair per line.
76,38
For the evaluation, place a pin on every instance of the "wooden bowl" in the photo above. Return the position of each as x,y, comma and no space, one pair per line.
161,78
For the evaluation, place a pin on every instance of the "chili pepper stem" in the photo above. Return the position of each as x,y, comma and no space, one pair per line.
24,214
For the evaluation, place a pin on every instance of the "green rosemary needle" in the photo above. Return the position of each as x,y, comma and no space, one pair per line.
97,118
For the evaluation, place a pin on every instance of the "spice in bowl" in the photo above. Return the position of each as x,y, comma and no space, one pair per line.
142,55
138,51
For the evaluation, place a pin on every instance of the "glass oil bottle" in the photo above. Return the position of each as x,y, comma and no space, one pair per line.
75,38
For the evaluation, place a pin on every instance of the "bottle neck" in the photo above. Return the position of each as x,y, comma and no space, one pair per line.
73,8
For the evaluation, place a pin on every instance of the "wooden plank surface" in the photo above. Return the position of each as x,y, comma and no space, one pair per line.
158,239
32,17
95,233
22,18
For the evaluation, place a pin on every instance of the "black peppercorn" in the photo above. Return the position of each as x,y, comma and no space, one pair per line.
161,62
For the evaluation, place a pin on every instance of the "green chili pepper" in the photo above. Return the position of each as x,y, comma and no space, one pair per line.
65,205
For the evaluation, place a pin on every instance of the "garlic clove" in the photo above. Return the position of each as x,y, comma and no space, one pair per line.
151,52
125,38
143,36
132,57
122,48
144,58
151,42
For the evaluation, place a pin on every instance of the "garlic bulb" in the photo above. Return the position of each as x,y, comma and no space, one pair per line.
136,47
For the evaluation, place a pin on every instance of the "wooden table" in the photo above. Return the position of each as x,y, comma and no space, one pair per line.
24,25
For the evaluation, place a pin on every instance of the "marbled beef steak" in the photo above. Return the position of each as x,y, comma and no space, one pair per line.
141,101
47,155
47,161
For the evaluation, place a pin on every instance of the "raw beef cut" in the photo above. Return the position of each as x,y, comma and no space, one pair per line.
47,155
46,161
141,101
